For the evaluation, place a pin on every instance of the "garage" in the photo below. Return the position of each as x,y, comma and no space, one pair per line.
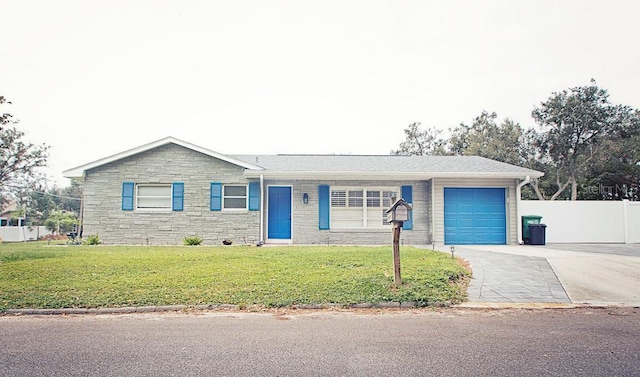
475,216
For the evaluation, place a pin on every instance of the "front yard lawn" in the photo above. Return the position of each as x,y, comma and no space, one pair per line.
37,275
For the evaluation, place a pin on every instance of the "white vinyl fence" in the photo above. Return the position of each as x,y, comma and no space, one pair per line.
22,233
585,221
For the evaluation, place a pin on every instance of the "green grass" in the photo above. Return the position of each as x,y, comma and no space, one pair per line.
37,275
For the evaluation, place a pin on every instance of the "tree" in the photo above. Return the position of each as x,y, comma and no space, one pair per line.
68,198
19,161
61,222
575,125
420,142
38,204
615,172
484,137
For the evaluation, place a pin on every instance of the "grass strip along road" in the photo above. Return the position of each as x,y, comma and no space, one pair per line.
38,275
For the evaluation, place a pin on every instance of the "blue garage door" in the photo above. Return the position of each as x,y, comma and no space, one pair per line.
475,216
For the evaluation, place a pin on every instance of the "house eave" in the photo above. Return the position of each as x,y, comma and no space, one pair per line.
78,172
357,175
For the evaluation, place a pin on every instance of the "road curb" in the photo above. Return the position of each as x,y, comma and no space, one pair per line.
222,307
537,305
329,306
121,310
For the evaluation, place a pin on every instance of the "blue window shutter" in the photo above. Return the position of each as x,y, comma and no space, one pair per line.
254,196
177,202
127,196
407,195
216,196
323,207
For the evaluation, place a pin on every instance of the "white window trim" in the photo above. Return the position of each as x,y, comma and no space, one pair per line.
158,209
378,223
246,198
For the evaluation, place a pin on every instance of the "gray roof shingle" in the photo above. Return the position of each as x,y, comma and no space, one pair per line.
310,166
380,164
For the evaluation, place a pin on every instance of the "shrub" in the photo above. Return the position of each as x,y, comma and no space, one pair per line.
93,240
192,241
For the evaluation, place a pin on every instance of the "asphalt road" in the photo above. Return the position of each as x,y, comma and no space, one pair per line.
462,342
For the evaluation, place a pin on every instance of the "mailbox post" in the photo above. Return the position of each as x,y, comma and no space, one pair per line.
397,215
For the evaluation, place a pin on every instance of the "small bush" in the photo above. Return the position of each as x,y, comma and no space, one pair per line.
192,241
92,240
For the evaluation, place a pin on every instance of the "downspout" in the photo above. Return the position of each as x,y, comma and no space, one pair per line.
526,181
80,228
261,209
431,215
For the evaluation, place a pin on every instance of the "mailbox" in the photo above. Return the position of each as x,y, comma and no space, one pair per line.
399,211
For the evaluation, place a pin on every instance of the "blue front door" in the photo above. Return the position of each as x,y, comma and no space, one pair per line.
279,213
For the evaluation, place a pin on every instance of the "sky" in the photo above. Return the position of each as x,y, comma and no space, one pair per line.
94,78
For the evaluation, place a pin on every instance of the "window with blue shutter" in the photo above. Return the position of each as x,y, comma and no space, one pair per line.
216,196
407,195
177,196
254,196
324,207
128,189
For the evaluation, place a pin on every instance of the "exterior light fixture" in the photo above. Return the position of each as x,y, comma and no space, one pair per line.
305,198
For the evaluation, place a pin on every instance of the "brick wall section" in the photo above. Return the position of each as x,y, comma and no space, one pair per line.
166,164
305,216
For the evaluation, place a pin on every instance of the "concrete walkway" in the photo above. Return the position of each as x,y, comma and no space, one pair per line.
563,273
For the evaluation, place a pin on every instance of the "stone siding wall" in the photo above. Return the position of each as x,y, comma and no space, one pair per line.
104,216
305,217
166,164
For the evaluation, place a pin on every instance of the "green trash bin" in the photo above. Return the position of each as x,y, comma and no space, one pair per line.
526,221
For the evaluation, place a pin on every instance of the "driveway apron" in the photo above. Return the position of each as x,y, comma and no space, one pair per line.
508,278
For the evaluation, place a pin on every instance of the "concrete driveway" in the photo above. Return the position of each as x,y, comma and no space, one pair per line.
598,274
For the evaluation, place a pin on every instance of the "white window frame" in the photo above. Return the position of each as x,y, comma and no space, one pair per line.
245,197
168,198
346,206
